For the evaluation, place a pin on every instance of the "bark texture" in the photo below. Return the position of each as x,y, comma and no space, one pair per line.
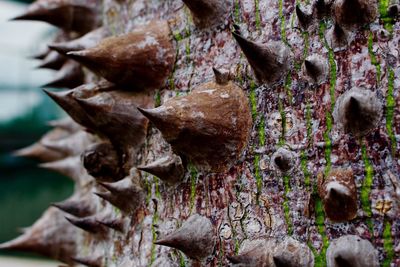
270,190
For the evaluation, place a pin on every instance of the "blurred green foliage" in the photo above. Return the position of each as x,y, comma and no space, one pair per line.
24,1
26,190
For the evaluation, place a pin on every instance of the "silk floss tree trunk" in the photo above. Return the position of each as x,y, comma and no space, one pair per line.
222,133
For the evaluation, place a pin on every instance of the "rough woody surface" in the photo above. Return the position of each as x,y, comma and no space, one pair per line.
264,195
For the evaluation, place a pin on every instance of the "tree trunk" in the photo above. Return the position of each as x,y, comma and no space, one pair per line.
308,134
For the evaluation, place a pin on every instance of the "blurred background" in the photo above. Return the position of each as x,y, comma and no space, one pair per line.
25,190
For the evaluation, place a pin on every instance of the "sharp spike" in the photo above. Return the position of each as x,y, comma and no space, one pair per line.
63,98
69,76
115,116
67,101
63,48
103,163
107,196
87,41
342,262
283,160
282,262
83,57
274,252
114,189
222,76
316,68
339,194
48,236
393,10
338,31
52,61
88,224
337,38
169,169
254,253
240,259
144,69
322,8
69,16
23,242
38,15
312,69
70,167
183,120
39,152
358,111
155,115
269,62
66,123
116,224
23,230
71,145
354,109
354,13
281,163
89,262
78,207
208,13
41,54
117,201
91,105
304,18
195,238
54,134
236,29
351,250
291,253
123,194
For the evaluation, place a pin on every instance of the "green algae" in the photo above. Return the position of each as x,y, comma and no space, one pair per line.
157,187
221,254
286,209
306,173
283,23
147,185
253,99
157,99
154,234
388,22
258,176
328,143
309,124
320,259
234,234
261,131
319,210
288,87
258,17
366,187
182,262
237,11
388,245
390,105
332,86
282,112
177,36
306,38
367,183
372,56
